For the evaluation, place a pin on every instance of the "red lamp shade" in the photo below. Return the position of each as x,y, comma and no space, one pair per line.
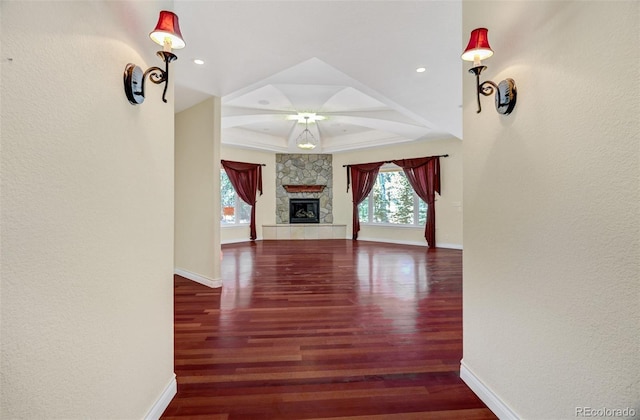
478,47
168,28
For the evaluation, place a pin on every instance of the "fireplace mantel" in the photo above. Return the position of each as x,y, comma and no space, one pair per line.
304,188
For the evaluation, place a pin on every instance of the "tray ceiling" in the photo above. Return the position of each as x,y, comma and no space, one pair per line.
352,62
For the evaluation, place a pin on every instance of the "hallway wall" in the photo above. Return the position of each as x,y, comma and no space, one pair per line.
86,256
197,197
552,209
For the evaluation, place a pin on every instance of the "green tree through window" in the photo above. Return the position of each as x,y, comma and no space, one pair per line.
393,201
232,209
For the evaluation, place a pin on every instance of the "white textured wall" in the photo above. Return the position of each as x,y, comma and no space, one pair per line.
266,207
197,192
87,215
551,195
448,205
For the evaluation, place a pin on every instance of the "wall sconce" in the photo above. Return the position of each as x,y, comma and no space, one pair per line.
167,33
477,50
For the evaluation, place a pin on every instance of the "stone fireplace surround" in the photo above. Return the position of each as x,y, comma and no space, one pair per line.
311,170
304,176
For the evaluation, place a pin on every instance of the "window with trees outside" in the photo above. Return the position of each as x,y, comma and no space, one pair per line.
392,201
232,209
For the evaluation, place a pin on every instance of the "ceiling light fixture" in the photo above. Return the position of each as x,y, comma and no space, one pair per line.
167,33
306,140
198,61
421,69
477,50
306,116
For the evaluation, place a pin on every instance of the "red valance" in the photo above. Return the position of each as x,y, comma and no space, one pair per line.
246,179
423,175
363,177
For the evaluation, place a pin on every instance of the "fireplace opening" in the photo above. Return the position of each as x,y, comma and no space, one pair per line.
304,210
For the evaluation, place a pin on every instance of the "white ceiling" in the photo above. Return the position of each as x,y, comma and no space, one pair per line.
353,62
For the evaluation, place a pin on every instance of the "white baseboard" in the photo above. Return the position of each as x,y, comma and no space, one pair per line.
213,283
414,243
421,243
449,246
163,401
487,396
237,241
390,241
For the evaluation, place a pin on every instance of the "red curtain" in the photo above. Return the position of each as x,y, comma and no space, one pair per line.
363,177
424,176
246,179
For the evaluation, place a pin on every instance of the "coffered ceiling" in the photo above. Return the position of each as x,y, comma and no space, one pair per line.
352,62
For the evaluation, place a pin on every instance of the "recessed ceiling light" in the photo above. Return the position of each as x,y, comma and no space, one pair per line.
421,69
198,61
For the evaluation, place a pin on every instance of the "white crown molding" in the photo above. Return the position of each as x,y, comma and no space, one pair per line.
213,283
487,396
163,401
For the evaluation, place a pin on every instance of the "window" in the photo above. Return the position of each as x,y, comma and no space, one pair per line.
232,209
392,201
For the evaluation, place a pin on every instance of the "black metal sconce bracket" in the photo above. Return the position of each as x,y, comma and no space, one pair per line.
134,78
505,91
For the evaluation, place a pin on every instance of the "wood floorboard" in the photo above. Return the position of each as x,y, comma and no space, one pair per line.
326,329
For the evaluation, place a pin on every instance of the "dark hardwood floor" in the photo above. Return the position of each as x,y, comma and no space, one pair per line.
324,329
